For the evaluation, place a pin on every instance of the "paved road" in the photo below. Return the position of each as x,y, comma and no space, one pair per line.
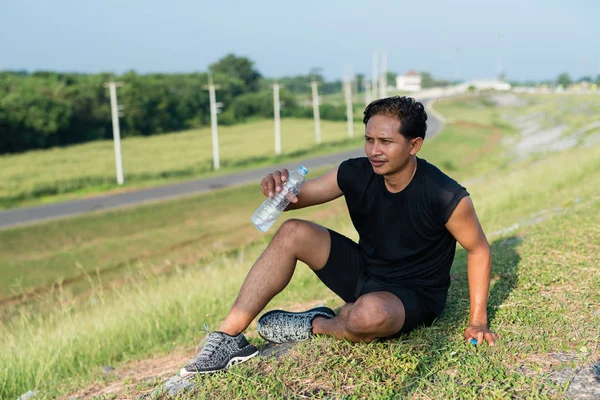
30,215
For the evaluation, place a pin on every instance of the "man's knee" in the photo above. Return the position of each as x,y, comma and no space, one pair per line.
365,316
293,231
300,230
374,316
291,227
306,240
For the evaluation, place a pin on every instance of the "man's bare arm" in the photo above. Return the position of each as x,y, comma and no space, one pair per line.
466,229
315,191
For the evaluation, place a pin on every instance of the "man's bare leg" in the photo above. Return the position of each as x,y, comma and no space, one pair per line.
296,240
373,315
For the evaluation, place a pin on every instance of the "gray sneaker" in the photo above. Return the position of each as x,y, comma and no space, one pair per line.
280,326
219,353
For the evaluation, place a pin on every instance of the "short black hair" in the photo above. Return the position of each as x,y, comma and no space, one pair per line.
411,113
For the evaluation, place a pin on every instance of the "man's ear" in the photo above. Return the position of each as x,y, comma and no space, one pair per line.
415,145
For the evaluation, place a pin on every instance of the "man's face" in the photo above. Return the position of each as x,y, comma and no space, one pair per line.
387,149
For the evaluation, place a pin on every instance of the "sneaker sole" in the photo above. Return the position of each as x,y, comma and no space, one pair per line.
323,309
235,360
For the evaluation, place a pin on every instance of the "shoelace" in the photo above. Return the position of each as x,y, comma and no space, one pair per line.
210,347
196,355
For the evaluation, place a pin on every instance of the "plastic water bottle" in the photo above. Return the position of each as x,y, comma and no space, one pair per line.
268,212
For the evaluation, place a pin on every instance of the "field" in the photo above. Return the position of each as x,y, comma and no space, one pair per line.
102,243
76,171
132,287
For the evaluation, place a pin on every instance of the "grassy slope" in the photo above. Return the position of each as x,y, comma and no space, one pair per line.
540,307
535,301
156,312
573,111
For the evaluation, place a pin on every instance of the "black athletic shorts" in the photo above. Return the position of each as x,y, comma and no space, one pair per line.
344,273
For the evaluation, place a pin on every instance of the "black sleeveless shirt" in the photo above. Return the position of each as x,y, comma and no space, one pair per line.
403,236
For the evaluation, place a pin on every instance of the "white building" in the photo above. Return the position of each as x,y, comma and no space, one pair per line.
411,81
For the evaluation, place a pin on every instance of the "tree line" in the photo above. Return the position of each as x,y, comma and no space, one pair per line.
45,109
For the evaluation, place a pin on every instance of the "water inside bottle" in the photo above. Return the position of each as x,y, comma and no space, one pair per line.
265,216
263,221
263,225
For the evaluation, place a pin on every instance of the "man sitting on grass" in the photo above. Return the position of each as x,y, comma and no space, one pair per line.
409,216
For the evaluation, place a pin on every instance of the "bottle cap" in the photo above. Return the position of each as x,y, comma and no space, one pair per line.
303,170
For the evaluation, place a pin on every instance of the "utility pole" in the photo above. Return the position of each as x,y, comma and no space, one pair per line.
276,112
374,69
348,94
315,102
114,111
383,79
368,98
213,120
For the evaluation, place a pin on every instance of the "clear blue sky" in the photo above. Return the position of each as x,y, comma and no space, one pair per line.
536,39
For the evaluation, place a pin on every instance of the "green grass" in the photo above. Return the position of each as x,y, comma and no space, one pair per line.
474,109
177,232
472,143
532,304
59,173
154,312
165,269
573,111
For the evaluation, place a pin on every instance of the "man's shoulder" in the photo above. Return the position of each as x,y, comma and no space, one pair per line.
351,172
435,176
356,162
442,192
355,166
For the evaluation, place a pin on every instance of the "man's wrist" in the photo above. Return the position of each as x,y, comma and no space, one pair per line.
478,321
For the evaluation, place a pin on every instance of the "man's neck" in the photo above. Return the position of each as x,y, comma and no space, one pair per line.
399,180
